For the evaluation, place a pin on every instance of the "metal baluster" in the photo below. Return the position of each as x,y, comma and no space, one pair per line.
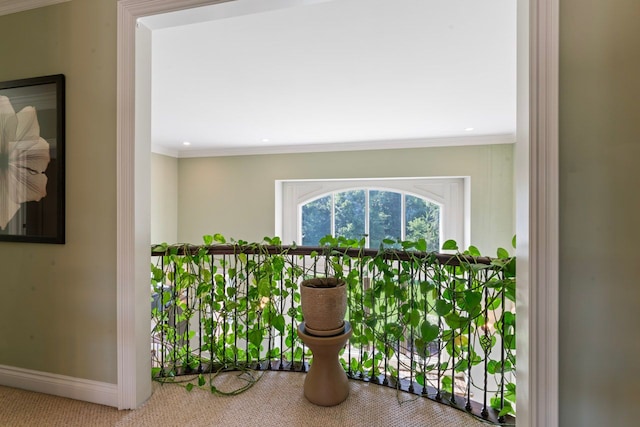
372,377
200,342
164,318
398,342
175,316
294,335
235,313
485,412
385,337
362,323
246,317
280,368
187,329
224,310
452,285
213,299
502,350
438,396
423,277
270,329
411,307
349,292
468,405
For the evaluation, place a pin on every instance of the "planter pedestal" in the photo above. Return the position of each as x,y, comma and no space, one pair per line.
326,383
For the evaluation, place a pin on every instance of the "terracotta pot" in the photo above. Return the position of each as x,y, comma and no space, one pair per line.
324,305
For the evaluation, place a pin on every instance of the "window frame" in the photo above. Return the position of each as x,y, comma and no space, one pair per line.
450,193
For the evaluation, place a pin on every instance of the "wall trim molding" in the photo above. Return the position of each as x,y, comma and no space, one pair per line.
344,146
59,385
544,268
12,6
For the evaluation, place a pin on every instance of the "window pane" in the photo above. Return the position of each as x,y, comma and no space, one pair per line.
423,221
349,213
316,221
385,213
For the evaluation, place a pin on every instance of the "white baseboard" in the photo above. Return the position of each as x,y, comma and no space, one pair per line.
60,385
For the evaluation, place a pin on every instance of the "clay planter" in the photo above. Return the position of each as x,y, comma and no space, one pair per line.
324,305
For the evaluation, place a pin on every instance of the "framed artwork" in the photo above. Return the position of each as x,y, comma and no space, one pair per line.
32,189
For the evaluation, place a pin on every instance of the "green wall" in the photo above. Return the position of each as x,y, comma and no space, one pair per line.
164,199
599,206
235,196
59,301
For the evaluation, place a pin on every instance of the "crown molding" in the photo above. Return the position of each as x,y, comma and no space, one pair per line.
12,6
343,146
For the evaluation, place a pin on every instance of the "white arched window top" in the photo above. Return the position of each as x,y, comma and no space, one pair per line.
297,198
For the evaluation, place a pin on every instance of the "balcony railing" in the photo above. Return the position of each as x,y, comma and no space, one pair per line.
437,325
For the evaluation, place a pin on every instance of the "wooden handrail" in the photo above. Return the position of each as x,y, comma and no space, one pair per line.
254,249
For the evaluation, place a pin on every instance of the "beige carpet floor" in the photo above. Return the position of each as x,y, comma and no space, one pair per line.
275,400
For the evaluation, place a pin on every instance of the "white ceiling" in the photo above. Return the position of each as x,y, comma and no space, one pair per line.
260,76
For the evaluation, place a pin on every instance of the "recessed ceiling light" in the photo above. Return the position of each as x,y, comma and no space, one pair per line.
468,129
265,139
186,143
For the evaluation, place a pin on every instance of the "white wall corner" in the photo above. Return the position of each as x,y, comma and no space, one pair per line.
134,379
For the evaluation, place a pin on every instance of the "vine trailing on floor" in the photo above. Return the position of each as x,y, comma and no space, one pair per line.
428,319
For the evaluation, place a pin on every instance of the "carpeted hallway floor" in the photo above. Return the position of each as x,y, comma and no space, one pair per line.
275,400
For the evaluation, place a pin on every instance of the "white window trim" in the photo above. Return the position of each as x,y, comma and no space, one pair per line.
448,192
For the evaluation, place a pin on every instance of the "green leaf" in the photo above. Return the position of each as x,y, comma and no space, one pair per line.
255,337
494,304
155,372
394,330
510,342
513,241
415,318
189,386
450,245
264,287
446,384
429,332
443,307
473,251
506,410
219,238
279,323
509,318
502,253
455,321
462,365
201,380
472,300
208,239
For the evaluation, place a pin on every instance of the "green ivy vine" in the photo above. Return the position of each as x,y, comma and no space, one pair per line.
422,317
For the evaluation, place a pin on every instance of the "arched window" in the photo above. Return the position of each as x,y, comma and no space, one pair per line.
374,214
396,209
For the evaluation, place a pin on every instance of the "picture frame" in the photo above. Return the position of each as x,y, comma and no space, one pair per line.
32,160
